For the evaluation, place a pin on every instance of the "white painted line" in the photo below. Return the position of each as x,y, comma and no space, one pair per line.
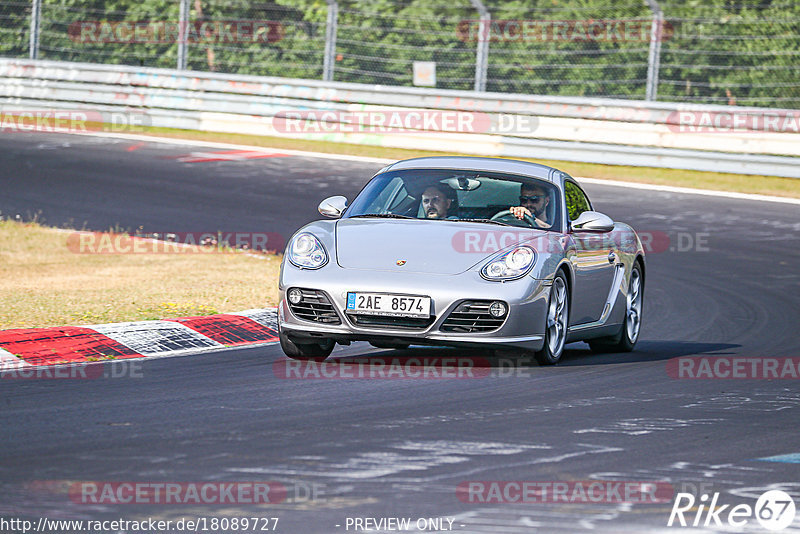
214,144
228,155
691,191
384,161
156,337
8,361
196,157
793,458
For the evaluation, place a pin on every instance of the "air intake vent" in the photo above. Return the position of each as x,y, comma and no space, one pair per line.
314,306
473,316
383,321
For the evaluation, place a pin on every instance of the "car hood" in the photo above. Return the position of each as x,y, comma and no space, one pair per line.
433,247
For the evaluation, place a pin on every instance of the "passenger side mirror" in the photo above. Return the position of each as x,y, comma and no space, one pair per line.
593,221
333,207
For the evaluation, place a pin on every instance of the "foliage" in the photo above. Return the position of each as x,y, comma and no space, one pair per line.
718,51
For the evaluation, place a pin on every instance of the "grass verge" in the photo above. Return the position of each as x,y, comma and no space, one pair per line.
44,283
739,183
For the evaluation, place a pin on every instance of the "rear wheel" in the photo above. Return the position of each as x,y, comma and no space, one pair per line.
556,324
625,339
306,351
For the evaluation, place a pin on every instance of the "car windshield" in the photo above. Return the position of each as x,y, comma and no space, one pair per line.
454,195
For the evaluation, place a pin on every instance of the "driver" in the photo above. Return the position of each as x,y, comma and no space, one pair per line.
435,203
533,201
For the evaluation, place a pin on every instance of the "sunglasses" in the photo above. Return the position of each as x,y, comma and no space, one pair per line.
533,198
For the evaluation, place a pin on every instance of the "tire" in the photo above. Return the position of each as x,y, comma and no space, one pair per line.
555,327
389,345
306,351
625,340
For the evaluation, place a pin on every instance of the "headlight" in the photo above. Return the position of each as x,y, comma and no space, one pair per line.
510,265
305,251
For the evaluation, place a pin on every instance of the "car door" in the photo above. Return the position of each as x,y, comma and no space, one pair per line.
593,262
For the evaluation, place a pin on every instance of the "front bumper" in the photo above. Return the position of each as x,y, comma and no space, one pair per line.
523,327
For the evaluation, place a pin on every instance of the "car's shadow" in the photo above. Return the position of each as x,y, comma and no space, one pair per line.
646,351
575,354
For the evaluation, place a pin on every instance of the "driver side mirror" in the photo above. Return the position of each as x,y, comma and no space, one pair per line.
593,221
333,207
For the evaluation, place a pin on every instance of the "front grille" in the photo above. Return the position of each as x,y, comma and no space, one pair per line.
472,316
383,321
315,307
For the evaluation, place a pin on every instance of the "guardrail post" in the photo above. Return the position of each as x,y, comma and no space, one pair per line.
654,57
36,16
331,27
482,53
183,26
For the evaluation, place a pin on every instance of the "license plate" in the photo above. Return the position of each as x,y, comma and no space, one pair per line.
389,304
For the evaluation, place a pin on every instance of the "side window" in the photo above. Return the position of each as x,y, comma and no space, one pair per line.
379,204
577,202
399,196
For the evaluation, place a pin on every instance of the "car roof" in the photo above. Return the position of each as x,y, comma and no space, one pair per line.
470,163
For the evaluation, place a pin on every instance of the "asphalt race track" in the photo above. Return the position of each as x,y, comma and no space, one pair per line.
725,281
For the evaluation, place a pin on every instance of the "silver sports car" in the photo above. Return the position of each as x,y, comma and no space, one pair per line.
462,251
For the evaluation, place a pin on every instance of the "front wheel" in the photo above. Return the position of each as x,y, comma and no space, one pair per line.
556,324
625,339
306,351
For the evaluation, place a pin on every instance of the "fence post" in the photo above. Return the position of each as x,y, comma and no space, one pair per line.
654,57
330,41
183,27
36,16
482,53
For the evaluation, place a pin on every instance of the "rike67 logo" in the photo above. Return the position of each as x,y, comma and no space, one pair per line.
774,510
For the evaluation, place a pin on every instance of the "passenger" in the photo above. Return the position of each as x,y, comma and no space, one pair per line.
533,201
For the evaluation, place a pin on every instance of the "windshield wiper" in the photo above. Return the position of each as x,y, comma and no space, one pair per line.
488,221
396,216
382,216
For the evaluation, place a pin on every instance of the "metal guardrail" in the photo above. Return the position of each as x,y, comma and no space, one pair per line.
608,131
481,50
